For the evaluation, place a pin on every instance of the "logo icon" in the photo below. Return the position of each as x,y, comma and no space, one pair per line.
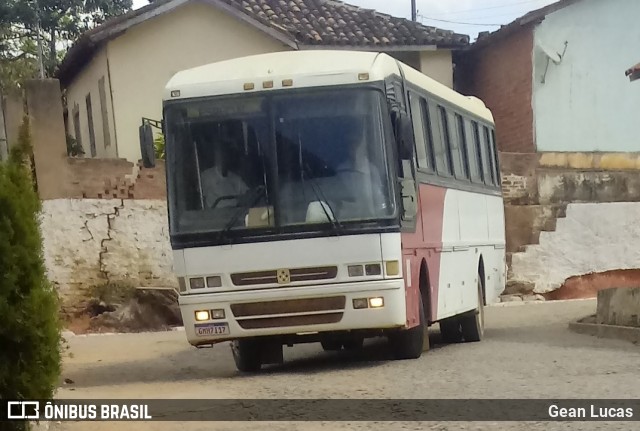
284,276
23,410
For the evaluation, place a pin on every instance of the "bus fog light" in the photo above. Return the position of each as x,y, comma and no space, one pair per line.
376,302
202,315
197,283
360,303
217,314
214,281
392,267
373,269
355,270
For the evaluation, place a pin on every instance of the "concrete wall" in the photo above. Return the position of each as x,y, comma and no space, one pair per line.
145,57
619,307
592,238
438,65
586,103
44,104
87,83
92,242
13,115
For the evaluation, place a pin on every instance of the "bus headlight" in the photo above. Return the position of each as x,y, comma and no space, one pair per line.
373,269
376,302
214,281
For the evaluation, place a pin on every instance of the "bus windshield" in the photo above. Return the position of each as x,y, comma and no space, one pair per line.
278,162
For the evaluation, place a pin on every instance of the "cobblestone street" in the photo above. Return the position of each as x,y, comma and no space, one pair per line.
528,352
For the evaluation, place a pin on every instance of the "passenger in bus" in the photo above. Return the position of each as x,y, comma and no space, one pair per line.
221,187
360,176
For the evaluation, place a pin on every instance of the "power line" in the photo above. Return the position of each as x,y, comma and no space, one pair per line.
488,8
458,22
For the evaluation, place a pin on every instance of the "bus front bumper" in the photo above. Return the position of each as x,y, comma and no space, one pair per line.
293,310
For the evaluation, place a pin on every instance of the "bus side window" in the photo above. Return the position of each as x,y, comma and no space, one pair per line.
451,143
473,153
421,133
440,141
487,173
491,154
462,146
494,147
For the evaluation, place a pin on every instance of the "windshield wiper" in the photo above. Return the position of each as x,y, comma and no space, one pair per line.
317,190
232,221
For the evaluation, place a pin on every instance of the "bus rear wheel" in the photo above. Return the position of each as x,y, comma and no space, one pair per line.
473,323
247,355
409,343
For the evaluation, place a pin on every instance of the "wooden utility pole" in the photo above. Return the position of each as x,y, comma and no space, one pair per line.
414,12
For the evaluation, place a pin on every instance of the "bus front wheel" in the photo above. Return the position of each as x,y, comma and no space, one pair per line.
409,343
247,355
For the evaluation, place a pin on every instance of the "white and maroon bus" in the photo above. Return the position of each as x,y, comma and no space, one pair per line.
329,196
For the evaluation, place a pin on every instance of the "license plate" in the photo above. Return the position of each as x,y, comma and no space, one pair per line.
208,329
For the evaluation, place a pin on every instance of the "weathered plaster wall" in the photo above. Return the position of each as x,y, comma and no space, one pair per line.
593,237
92,242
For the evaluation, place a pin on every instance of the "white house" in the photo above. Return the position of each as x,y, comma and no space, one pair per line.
114,75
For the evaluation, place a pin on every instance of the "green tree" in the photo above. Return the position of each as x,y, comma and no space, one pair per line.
60,22
29,324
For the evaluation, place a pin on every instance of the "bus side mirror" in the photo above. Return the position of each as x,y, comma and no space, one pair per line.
147,148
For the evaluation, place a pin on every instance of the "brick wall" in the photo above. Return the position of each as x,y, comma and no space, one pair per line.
114,179
500,73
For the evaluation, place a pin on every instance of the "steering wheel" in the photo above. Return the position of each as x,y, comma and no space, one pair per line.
223,198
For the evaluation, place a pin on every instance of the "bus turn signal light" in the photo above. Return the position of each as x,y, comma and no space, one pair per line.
392,267
360,303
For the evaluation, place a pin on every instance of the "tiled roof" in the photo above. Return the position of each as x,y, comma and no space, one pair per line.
299,23
331,22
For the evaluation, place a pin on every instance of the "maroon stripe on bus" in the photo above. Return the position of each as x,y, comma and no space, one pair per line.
425,244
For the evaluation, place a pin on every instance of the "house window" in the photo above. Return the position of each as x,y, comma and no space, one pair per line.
92,135
76,124
104,113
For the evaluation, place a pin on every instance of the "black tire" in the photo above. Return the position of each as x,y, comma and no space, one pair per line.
246,355
409,343
473,323
331,345
451,330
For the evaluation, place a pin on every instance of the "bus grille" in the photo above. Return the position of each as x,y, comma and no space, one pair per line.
302,312
296,275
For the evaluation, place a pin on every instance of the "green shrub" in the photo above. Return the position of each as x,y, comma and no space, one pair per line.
158,144
29,322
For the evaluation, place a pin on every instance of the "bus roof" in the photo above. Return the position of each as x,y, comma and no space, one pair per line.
310,68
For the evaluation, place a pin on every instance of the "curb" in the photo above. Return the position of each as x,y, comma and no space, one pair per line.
70,334
517,303
625,333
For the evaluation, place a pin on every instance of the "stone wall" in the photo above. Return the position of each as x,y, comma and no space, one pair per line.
94,242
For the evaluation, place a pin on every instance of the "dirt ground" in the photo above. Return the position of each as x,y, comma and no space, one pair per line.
528,352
